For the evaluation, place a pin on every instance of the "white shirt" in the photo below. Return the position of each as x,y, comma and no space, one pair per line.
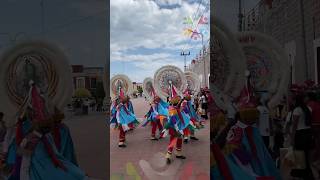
288,123
192,99
203,99
301,122
231,111
264,121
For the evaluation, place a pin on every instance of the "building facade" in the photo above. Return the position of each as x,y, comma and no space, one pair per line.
201,66
295,24
87,77
136,86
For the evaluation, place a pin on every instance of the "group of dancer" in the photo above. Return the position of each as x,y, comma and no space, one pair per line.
35,143
176,118
237,147
39,146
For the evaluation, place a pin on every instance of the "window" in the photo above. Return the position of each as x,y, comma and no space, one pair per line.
93,83
80,82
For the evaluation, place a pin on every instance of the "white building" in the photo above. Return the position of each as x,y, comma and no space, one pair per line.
295,24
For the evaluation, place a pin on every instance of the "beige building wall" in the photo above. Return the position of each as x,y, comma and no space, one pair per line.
295,25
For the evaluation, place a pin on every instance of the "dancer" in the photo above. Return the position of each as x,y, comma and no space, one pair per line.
187,107
178,121
156,115
130,108
62,137
31,152
124,118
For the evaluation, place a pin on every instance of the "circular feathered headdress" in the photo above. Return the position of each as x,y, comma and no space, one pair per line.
36,74
169,81
269,72
227,64
193,82
120,86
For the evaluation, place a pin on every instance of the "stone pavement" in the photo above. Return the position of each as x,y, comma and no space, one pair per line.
144,159
89,138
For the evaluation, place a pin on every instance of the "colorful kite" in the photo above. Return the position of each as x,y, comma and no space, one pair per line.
195,35
192,29
188,20
188,32
203,20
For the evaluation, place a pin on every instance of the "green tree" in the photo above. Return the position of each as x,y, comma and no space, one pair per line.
100,94
82,93
140,90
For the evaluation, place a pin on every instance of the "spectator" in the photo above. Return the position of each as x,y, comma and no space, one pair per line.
204,105
264,123
315,124
3,128
301,136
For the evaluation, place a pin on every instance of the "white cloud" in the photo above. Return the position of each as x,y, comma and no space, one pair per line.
118,56
143,24
148,69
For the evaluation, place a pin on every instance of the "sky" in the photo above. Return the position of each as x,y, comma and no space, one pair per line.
78,27
145,35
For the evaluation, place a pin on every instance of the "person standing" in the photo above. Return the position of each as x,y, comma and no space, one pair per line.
3,129
301,135
264,123
204,106
315,124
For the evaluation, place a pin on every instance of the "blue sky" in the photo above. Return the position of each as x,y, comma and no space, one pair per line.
77,26
146,35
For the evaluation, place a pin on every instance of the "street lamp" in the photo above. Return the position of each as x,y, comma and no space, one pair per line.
185,60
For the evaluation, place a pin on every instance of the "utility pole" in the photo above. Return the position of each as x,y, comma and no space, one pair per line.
42,16
185,60
240,16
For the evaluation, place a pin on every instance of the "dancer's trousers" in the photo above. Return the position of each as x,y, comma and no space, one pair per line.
122,134
188,133
174,142
131,126
155,125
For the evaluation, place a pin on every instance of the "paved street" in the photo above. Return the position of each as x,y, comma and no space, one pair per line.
144,159
89,137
